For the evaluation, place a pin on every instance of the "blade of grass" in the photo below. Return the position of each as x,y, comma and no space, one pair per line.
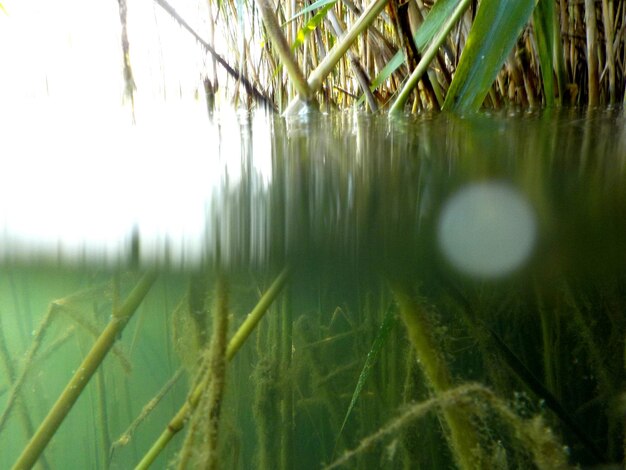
543,21
314,6
496,27
434,21
428,56
381,338
310,26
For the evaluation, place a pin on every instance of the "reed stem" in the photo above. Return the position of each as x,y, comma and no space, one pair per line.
236,342
462,438
85,371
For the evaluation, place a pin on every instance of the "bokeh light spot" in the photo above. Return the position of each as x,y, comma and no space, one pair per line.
487,229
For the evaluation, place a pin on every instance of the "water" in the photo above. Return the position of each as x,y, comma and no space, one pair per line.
491,249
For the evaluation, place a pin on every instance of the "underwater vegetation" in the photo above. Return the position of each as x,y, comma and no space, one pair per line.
403,292
348,336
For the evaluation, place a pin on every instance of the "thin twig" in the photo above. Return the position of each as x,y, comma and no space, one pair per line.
250,88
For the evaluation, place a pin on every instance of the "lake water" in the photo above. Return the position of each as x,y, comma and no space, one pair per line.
453,295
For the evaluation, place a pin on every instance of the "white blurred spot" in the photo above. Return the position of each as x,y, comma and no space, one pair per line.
487,229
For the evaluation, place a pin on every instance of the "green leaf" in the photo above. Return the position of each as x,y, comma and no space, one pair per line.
381,338
437,16
314,6
433,22
391,66
549,45
428,55
543,21
311,25
497,25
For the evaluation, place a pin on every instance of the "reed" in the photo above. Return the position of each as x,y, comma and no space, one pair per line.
355,52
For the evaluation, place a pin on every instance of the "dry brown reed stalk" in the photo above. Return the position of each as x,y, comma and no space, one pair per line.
237,74
128,71
592,58
331,59
363,80
609,37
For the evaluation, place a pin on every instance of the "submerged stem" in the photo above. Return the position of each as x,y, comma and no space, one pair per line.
85,371
462,439
238,339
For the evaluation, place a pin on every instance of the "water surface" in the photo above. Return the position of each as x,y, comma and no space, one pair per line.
506,231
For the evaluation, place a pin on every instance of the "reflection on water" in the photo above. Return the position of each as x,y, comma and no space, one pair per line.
427,255
497,191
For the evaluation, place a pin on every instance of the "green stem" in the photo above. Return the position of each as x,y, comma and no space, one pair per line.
428,57
280,43
77,383
28,360
336,53
255,316
286,407
461,437
238,339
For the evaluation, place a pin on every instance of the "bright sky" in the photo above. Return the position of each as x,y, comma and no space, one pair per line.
75,171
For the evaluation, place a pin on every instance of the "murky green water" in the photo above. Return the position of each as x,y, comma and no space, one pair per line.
424,256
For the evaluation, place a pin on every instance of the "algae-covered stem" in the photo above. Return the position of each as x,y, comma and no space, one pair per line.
462,438
205,421
90,364
236,342
286,404
19,380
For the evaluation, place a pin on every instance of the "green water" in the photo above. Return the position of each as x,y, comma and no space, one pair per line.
497,242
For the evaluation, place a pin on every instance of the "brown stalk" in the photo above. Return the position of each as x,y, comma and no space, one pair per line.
609,34
592,58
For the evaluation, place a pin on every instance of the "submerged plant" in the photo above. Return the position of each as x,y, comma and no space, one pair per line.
533,434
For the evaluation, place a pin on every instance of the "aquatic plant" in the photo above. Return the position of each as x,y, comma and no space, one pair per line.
476,373
451,54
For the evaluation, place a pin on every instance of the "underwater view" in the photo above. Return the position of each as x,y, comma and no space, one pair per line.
331,234
423,292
